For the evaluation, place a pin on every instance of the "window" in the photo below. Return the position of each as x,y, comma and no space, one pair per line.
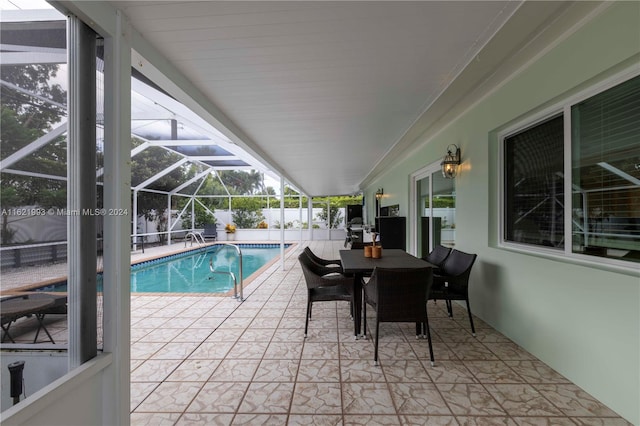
604,205
534,185
606,172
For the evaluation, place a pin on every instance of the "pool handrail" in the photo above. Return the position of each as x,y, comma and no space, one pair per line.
235,281
194,236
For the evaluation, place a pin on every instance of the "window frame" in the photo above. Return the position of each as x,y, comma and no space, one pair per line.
562,108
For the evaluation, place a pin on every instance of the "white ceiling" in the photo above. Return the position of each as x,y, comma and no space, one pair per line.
324,90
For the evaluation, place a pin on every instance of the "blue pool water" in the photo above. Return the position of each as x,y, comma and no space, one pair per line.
190,273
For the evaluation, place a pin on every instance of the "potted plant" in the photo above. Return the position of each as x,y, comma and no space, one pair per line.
230,229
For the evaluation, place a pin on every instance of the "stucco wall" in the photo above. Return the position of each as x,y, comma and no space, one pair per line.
582,320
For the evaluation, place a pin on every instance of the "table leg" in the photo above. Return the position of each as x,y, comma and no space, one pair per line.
40,317
357,308
6,333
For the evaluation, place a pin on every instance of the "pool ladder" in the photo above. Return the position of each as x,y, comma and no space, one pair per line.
235,280
195,236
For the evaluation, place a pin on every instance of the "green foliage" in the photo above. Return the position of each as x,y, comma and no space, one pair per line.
291,199
147,164
442,202
246,212
339,201
290,225
23,119
203,217
212,186
335,216
33,113
161,226
240,182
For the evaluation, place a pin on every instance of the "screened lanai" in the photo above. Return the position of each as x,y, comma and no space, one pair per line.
370,94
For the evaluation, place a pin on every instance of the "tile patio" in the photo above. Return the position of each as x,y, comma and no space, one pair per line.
213,361
208,360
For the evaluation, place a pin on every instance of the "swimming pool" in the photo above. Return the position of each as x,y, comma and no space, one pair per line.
189,272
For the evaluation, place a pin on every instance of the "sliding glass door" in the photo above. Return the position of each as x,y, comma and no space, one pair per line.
434,207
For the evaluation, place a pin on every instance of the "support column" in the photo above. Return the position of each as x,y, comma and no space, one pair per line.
282,221
193,213
168,219
329,217
134,231
81,193
117,196
300,216
310,216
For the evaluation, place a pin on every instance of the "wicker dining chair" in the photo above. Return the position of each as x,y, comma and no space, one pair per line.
399,295
451,282
437,256
334,264
323,285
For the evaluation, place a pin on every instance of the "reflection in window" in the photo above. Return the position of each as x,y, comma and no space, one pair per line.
534,183
606,172
605,178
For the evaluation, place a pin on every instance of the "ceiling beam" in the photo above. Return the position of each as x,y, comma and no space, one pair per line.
164,172
184,142
190,181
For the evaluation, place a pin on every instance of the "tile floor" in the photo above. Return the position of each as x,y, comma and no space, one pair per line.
201,360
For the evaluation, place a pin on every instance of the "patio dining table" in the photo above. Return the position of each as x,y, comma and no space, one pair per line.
15,308
354,262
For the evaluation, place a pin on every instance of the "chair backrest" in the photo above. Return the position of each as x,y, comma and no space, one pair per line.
457,266
312,256
210,229
313,270
438,255
310,270
401,294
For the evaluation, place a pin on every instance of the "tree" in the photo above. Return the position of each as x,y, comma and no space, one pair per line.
247,212
239,182
147,164
334,216
24,118
34,113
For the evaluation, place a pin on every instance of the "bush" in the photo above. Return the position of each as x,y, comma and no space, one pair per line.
246,212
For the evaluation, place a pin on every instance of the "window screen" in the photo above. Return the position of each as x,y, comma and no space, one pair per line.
606,173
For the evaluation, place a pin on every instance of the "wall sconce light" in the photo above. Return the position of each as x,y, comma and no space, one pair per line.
451,162
379,194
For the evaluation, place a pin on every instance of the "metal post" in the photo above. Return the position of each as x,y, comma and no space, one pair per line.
310,216
193,213
329,217
134,231
300,216
282,221
168,219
